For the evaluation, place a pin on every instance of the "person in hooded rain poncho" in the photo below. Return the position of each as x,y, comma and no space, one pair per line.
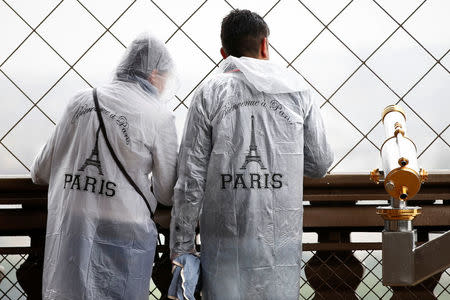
252,132
100,239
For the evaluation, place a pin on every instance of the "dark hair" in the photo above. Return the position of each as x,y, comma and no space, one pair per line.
242,32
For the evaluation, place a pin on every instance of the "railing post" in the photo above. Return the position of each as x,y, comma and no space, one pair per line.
29,274
423,290
162,268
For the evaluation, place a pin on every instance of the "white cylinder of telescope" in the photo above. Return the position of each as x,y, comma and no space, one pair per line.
395,150
399,156
393,120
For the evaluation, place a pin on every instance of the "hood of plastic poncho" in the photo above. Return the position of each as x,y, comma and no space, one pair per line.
145,54
265,75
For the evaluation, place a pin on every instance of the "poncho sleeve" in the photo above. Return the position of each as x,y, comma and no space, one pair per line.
193,163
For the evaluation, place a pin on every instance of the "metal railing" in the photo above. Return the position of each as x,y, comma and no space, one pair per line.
334,267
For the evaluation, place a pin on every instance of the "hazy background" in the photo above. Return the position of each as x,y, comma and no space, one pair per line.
359,56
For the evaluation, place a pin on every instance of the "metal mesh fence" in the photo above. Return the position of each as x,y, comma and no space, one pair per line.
369,280
353,74
331,275
9,287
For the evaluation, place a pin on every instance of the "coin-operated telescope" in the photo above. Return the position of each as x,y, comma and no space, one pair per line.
403,262
401,176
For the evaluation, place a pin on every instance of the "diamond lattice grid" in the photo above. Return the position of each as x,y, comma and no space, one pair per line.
357,56
9,287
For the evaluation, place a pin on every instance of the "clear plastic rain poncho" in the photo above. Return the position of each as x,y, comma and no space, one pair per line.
252,132
100,240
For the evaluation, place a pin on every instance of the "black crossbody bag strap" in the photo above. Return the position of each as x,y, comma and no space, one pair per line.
113,154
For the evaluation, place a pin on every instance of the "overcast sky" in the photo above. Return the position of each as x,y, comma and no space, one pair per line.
39,71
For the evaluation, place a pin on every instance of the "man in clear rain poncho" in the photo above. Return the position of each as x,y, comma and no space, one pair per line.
252,132
100,240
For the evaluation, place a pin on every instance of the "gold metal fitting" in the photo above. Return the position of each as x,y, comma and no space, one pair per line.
399,130
375,176
403,161
406,214
403,177
391,108
404,194
423,175
389,186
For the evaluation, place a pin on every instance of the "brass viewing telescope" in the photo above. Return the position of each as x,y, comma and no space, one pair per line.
404,263
401,175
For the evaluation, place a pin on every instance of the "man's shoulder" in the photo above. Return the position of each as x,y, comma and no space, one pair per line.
220,81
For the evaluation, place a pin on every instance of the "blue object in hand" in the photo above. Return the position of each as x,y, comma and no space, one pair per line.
185,275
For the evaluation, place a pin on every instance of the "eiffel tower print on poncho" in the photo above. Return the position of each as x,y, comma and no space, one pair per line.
93,160
253,154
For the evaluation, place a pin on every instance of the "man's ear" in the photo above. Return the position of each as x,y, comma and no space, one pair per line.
264,49
224,54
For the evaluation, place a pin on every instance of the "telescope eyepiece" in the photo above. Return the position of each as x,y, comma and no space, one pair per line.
402,161
404,194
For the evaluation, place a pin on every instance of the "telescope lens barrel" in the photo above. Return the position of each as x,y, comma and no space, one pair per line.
399,156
